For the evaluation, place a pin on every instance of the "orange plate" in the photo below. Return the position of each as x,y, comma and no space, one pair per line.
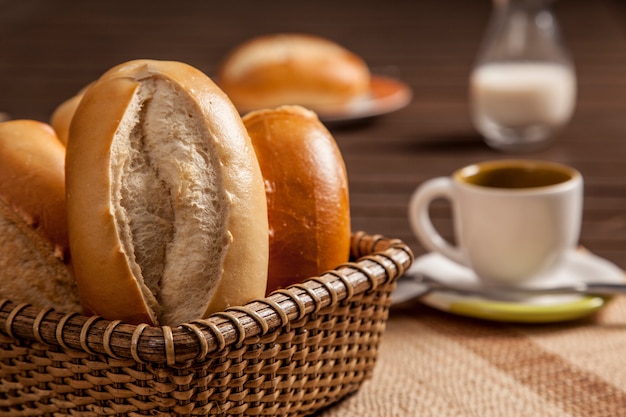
386,95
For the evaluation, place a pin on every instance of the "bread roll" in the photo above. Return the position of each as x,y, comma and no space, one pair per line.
34,252
307,193
307,70
62,116
166,206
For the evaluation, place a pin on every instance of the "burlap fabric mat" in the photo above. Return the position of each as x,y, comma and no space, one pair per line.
437,364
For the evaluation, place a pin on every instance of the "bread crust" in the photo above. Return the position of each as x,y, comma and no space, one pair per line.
61,117
302,69
32,171
307,193
35,259
107,276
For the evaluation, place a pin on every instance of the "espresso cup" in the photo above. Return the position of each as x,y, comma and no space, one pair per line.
513,219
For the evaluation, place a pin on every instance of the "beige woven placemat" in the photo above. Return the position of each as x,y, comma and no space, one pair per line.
437,364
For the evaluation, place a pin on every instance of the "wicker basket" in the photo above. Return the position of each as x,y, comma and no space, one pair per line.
293,353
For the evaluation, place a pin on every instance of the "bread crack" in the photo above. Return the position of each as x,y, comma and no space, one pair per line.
172,212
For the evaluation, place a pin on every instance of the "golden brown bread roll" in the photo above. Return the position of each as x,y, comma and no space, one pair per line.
34,253
166,206
62,116
307,193
306,70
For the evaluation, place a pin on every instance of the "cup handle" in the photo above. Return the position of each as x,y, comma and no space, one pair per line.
421,223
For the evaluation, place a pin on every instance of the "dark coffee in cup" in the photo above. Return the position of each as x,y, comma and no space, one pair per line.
516,174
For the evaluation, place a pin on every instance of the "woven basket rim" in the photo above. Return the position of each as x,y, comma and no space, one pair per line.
376,260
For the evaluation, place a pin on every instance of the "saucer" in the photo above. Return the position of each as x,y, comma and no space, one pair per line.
577,266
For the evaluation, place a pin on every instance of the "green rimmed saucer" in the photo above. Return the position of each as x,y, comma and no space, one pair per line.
576,266
519,312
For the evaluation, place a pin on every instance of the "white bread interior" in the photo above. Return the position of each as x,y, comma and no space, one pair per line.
169,201
183,191
31,273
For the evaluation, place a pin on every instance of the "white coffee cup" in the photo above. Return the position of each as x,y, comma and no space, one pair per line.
513,219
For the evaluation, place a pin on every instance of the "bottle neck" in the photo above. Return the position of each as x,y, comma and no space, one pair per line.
530,6
523,30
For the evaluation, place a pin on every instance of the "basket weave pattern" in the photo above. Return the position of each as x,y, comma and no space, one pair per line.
292,353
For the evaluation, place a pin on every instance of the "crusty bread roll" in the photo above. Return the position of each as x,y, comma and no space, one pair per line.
307,193
34,252
306,70
166,207
62,116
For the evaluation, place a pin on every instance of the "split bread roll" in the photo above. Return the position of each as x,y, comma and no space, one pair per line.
34,252
307,193
306,70
167,213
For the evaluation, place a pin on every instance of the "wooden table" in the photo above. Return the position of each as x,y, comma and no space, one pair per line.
50,49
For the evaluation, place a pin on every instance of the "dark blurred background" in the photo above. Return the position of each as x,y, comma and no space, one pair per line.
51,49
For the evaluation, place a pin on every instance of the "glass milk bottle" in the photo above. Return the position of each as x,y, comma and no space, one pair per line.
523,85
